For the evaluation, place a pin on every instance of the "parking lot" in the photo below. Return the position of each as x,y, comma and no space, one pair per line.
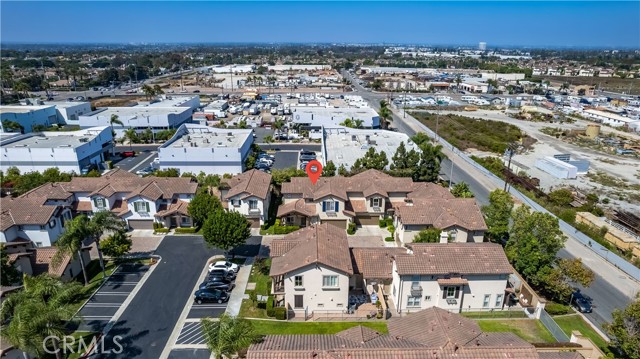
139,161
286,159
104,304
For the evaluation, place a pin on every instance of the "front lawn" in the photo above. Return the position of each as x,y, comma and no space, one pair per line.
528,329
267,327
495,314
569,323
260,276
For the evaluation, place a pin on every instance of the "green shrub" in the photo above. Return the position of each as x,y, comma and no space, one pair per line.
351,229
186,230
277,229
253,296
161,230
557,309
109,164
567,215
389,239
391,229
280,313
382,223
269,302
271,312
389,221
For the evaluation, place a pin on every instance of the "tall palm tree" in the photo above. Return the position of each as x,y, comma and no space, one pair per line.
148,91
104,221
357,123
458,81
130,135
40,310
157,90
385,114
114,120
22,87
228,335
71,242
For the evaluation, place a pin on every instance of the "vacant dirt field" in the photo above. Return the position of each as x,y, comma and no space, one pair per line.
116,101
613,84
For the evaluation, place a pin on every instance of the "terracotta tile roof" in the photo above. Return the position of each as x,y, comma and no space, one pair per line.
298,206
41,261
106,191
53,191
375,263
120,207
429,190
179,206
322,244
560,355
155,188
278,247
81,206
447,258
429,334
452,281
358,205
253,182
24,211
442,213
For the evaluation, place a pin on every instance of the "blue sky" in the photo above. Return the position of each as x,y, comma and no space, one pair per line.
541,23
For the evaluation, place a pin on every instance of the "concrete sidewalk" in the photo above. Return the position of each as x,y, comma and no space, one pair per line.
237,295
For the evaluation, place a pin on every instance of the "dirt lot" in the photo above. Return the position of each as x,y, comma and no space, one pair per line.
116,101
613,84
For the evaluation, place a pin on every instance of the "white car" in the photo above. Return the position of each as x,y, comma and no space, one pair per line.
226,265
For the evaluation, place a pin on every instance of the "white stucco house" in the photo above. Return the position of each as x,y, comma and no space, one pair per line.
248,193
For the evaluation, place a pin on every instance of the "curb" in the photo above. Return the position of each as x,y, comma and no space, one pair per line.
104,281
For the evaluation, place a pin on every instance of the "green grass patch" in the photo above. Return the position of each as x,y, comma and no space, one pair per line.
528,329
249,310
277,229
269,327
495,314
260,276
569,323
86,338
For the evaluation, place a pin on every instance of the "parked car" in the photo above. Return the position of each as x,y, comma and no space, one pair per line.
146,171
88,168
210,296
230,275
266,155
266,161
196,91
225,265
580,302
128,153
218,283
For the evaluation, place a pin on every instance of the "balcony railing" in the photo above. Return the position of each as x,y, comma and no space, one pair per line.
278,288
416,290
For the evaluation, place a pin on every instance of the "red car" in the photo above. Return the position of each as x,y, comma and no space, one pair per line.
128,154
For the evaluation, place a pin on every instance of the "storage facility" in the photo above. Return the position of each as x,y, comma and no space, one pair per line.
557,168
39,113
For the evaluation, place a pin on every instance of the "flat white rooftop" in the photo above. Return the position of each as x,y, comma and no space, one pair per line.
199,136
345,145
138,111
23,109
70,139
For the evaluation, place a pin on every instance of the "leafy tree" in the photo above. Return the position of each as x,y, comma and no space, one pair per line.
101,222
404,162
279,176
27,182
431,158
70,243
225,229
132,136
461,190
268,139
202,206
53,174
429,235
208,180
342,171
12,126
8,273
157,90
534,241
624,329
371,160
329,170
169,172
497,214
40,310
117,244
228,335
148,91
561,197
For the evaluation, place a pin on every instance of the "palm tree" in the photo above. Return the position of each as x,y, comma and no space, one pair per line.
22,87
385,114
114,120
131,135
458,81
357,123
101,222
157,90
268,139
148,91
228,335
42,309
71,242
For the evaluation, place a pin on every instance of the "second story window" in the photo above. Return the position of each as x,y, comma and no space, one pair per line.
253,205
236,202
330,206
376,202
330,281
141,206
99,202
297,281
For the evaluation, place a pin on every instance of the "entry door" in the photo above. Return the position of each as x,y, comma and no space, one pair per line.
298,301
303,222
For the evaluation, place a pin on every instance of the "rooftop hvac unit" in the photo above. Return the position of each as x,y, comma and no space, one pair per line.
84,139
354,138
229,134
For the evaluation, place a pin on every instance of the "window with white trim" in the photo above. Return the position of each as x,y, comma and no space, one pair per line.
141,206
451,292
330,206
297,281
253,204
487,299
329,281
413,301
100,202
376,202
499,299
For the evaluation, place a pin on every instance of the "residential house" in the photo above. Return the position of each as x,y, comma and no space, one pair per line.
554,72
605,73
31,260
460,218
363,199
31,218
248,193
586,72
451,276
427,334
311,270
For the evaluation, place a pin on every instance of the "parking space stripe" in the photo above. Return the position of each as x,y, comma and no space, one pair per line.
192,336
116,305
208,306
188,331
114,293
105,318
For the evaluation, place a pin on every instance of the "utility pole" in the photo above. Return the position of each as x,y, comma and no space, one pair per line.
231,71
510,151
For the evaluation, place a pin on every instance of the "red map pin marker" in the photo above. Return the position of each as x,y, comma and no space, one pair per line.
314,170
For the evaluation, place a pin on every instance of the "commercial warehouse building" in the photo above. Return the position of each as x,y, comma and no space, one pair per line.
38,113
196,148
344,145
69,151
316,117
166,113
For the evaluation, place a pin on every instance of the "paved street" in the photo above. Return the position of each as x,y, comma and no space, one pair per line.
146,325
141,160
